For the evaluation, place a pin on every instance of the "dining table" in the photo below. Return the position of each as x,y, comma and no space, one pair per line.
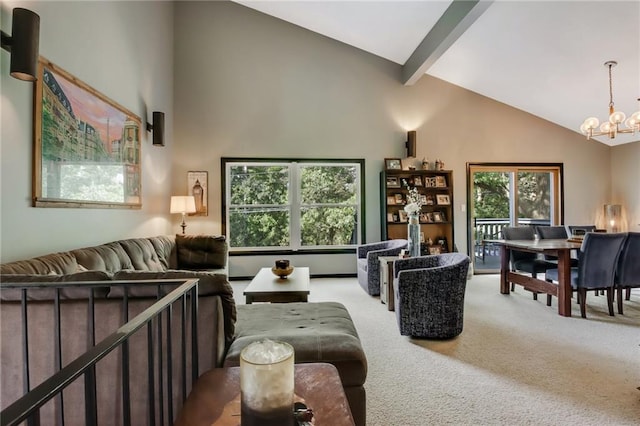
561,248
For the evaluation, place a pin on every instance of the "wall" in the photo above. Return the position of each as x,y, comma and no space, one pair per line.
625,182
255,86
123,50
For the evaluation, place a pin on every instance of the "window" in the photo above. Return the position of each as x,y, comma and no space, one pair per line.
292,204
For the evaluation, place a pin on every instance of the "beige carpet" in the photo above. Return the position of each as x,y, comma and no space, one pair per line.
516,362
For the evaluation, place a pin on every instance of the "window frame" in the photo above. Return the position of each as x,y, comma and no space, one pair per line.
295,206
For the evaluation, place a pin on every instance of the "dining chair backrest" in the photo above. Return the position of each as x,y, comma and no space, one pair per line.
580,229
598,262
628,273
519,233
552,232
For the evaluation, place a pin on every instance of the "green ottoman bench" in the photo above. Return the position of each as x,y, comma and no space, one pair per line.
319,332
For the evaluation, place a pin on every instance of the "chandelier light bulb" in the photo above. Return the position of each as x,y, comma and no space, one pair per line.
605,127
591,123
617,117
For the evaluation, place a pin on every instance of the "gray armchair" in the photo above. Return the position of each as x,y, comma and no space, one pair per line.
369,266
429,295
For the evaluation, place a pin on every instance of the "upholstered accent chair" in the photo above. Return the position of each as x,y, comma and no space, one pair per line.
628,273
429,295
598,261
526,261
368,264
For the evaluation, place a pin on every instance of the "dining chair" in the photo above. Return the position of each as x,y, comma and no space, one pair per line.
628,273
526,261
580,229
597,264
558,232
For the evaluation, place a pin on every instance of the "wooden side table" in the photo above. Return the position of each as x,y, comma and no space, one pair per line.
386,280
215,397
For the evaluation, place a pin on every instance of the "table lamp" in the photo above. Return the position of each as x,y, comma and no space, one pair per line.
183,204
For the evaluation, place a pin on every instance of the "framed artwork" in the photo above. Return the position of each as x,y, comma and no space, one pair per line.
86,146
438,217
417,181
441,182
393,182
198,185
404,216
392,164
399,198
390,217
443,199
430,201
421,237
391,199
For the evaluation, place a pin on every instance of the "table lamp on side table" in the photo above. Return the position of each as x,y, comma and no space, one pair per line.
183,204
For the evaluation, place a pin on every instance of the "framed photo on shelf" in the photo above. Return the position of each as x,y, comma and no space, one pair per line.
391,199
443,199
404,217
390,217
421,237
434,250
441,181
417,181
430,201
392,164
399,198
430,182
423,199
393,182
426,217
395,217
438,217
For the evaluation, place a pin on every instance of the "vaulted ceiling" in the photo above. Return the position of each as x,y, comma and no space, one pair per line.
543,57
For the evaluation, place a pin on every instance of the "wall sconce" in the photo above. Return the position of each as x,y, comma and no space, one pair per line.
613,217
23,44
157,128
410,144
183,204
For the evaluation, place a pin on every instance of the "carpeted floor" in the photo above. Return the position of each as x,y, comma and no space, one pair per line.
517,362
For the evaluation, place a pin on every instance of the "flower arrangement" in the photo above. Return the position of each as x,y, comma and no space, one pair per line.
414,202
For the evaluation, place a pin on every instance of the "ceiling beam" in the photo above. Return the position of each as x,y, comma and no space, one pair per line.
458,17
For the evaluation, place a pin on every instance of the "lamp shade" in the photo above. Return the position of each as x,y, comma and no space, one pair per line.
24,44
183,204
613,216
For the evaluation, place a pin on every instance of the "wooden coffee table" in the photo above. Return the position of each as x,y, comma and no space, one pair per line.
215,397
266,287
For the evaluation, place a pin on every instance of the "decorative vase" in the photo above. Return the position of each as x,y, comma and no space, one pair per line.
413,234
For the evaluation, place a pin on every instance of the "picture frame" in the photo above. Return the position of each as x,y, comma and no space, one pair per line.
443,199
390,217
393,182
440,181
438,217
430,200
198,187
404,216
392,164
421,237
417,181
87,147
423,199
396,218
399,198
430,182
434,250
391,200
424,218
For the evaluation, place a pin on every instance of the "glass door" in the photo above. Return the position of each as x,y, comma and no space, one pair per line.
508,195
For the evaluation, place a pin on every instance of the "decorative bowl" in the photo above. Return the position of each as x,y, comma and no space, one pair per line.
282,273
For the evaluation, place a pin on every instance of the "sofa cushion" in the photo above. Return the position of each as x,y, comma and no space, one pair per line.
58,263
201,251
142,254
318,332
109,257
165,247
49,293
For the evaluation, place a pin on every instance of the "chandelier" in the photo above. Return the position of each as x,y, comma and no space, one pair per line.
613,126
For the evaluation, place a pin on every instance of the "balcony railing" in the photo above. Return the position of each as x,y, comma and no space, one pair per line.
159,340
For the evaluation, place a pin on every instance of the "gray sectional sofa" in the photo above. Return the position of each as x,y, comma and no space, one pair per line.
319,332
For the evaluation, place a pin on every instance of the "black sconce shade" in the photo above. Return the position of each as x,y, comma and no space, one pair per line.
411,143
157,127
23,44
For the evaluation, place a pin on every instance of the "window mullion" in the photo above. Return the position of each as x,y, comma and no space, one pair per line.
295,186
